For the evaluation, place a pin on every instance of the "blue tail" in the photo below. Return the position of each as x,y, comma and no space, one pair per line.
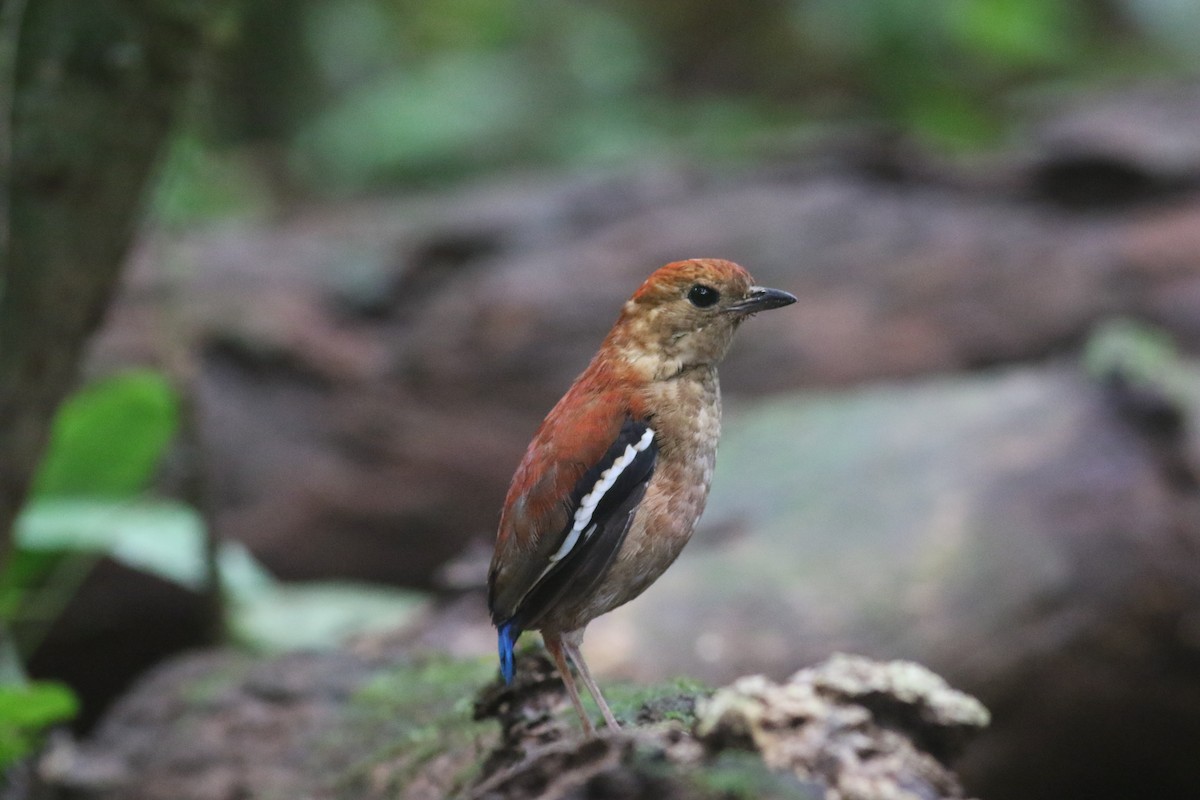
508,637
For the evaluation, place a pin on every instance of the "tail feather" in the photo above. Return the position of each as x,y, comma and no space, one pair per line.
508,635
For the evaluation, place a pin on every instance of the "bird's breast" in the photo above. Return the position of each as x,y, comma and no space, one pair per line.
686,418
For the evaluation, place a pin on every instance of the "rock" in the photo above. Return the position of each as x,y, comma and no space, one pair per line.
369,374
1118,148
124,621
1024,531
1013,530
221,724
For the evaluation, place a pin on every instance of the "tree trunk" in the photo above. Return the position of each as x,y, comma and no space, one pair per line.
88,92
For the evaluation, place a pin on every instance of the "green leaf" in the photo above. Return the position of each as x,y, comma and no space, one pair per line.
35,587
1140,352
167,540
320,614
28,709
164,539
24,572
36,704
108,438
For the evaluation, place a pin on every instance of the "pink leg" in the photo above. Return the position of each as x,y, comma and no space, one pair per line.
555,645
571,643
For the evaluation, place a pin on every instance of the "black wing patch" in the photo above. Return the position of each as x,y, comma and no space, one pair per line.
602,507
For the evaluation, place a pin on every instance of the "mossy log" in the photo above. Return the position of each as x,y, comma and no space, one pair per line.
363,724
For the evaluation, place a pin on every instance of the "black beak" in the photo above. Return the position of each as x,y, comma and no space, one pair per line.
761,299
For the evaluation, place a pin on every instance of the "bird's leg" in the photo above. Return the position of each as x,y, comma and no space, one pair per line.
555,645
571,643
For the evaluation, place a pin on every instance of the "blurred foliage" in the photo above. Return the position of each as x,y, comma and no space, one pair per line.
108,438
317,614
106,442
58,541
26,710
350,95
157,537
198,182
1140,354
90,502
106,445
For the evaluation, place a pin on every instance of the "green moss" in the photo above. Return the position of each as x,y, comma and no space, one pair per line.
205,689
429,685
670,700
406,715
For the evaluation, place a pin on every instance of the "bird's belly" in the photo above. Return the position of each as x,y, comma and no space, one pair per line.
661,527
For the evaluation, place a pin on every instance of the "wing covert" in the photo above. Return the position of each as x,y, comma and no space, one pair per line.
600,509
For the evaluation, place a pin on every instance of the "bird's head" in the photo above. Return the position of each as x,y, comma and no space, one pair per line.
686,313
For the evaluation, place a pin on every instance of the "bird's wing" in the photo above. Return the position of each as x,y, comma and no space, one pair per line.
570,506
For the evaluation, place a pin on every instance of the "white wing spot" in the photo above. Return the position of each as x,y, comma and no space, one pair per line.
582,526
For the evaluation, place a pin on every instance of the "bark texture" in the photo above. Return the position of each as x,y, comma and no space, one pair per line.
94,89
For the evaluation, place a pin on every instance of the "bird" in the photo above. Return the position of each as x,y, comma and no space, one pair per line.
617,474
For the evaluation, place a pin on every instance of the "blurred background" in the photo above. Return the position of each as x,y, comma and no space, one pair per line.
340,256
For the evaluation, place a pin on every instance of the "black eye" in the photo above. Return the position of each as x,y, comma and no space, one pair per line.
702,296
